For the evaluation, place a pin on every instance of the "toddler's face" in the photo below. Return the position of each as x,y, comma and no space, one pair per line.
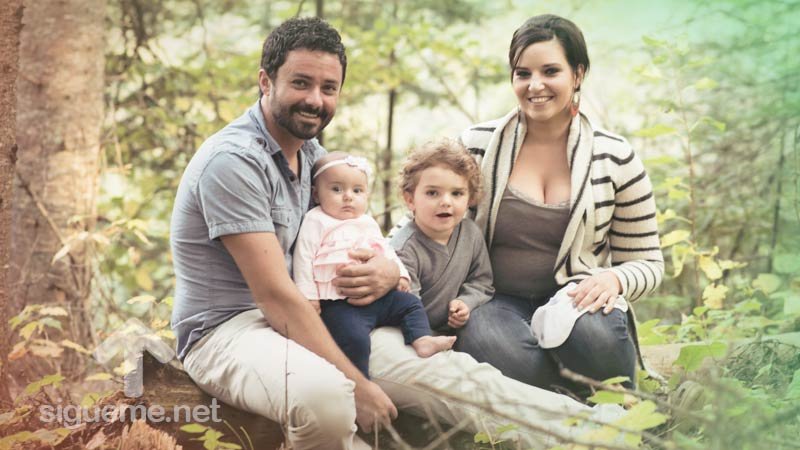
341,191
439,202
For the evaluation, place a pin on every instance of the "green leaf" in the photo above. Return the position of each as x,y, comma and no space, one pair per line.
642,416
653,42
791,304
710,267
692,356
607,397
27,331
679,255
705,83
767,283
54,379
505,428
673,237
720,126
142,299
786,263
103,376
194,428
89,399
481,438
53,311
143,279
656,131
617,380
50,322
793,391
714,296
747,306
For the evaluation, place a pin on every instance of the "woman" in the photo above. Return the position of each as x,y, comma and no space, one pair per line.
566,202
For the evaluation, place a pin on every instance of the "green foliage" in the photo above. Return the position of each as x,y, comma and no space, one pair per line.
692,356
210,437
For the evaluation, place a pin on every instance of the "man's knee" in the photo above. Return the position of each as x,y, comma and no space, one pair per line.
321,408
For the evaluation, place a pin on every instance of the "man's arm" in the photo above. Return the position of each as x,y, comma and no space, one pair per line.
259,256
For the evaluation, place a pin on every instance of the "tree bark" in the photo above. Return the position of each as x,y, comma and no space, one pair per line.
59,120
10,26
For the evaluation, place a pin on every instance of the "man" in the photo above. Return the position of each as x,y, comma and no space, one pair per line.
236,215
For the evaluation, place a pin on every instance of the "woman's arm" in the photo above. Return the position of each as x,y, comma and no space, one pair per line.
636,256
632,238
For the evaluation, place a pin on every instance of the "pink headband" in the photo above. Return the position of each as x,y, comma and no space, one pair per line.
359,162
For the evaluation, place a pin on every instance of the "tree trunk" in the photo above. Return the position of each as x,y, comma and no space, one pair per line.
10,25
59,120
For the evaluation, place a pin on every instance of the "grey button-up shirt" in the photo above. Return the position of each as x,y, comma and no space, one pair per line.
238,182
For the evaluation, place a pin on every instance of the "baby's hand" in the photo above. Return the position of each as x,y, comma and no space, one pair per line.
315,304
458,315
403,285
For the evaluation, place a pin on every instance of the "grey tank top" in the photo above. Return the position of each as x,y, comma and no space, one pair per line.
527,236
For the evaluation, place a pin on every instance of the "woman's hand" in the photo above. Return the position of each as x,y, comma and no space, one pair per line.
598,291
458,314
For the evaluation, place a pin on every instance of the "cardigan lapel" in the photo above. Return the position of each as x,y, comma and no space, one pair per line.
495,169
579,157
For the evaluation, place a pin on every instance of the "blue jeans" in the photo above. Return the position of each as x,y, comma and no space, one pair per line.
350,325
498,332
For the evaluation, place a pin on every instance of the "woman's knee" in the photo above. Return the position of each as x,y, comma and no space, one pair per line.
480,332
599,347
600,332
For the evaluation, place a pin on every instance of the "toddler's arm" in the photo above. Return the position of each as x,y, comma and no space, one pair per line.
477,289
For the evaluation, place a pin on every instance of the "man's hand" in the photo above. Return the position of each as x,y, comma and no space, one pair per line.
598,291
364,283
317,307
458,314
372,405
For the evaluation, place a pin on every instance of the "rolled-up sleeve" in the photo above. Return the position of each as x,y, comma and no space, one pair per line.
232,194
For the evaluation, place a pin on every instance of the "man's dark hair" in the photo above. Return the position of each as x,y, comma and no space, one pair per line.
310,33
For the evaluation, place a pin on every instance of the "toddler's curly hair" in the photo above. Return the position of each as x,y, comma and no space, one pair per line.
446,153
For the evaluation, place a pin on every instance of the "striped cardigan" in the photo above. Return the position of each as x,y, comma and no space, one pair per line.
612,224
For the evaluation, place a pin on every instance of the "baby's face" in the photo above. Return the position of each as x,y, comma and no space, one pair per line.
341,191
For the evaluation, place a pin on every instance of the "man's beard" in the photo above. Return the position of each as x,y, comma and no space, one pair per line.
285,117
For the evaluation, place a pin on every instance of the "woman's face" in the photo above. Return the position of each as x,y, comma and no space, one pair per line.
544,82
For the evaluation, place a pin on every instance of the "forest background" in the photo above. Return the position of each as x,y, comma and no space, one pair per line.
105,103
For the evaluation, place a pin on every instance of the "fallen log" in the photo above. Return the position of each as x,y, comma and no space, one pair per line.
168,385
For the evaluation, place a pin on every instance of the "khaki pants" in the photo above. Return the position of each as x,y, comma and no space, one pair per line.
247,364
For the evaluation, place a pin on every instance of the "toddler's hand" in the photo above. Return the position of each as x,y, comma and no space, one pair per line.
458,314
403,285
315,304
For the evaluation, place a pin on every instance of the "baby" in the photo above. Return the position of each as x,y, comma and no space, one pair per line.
329,231
445,255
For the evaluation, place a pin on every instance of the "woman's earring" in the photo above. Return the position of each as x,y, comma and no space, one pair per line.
576,102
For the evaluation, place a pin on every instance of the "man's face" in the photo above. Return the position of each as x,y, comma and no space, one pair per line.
302,98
